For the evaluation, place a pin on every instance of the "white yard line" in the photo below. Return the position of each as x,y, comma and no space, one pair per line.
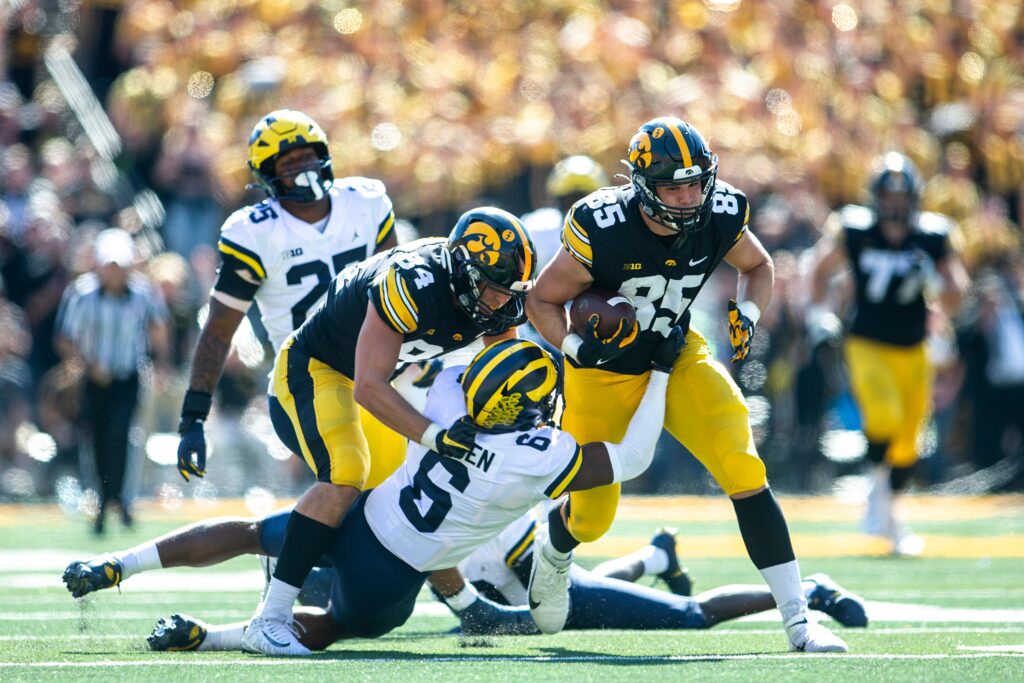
580,659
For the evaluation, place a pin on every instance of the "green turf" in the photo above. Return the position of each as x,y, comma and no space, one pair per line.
104,635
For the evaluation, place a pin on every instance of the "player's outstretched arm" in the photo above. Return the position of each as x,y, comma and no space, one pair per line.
607,463
560,282
207,364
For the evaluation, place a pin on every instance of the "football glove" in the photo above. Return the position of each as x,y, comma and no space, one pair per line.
194,411
594,350
667,350
428,372
741,331
457,440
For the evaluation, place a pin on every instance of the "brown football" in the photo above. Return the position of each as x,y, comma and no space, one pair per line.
610,307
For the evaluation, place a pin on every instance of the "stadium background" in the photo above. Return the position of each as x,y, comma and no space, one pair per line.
457,104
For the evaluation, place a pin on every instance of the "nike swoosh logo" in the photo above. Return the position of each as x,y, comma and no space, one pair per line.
698,261
274,642
533,605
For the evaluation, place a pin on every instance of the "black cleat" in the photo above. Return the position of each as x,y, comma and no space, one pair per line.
83,578
177,633
676,576
829,597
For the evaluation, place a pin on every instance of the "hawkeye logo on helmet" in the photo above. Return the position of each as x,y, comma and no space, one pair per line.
640,150
689,172
657,132
483,243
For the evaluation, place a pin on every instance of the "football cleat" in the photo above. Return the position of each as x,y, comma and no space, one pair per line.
676,576
806,636
177,633
82,578
273,637
548,593
829,597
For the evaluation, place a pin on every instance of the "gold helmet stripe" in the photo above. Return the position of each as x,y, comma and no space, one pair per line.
557,487
491,364
535,395
683,148
527,251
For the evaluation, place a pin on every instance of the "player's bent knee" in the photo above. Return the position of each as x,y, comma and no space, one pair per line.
743,472
586,528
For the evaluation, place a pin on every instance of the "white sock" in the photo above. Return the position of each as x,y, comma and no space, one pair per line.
655,560
223,638
553,555
280,598
141,558
787,589
463,599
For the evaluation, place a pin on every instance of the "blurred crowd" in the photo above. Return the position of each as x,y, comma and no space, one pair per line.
453,104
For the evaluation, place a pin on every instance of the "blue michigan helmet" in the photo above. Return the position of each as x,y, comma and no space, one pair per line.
511,386
278,132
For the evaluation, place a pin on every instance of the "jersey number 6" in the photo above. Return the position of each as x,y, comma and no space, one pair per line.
423,485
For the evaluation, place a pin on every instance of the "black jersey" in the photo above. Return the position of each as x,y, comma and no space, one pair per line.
890,304
605,232
410,287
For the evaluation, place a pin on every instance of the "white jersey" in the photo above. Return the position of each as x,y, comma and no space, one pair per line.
545,229
286,264
434,511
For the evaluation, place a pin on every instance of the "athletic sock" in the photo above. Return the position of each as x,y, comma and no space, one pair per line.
558,534
141,558
223,638
463,599
305,540
279,600
628,568
766,536
655,560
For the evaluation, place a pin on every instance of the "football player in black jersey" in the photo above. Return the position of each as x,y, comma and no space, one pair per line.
900,258
414,302
657,241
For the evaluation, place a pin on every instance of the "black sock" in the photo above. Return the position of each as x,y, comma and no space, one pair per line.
899,476
764,530
876,451
561,539
305,540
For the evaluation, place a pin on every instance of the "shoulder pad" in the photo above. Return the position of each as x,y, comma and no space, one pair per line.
364,187
856,217
932,223
722,186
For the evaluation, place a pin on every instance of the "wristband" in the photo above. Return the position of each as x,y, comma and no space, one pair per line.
196,404
571,345
429,438
750,310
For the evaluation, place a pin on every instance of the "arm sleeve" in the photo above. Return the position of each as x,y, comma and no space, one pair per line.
564,477
632,456
394,302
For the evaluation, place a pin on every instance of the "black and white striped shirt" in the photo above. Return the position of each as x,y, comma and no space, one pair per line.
110,331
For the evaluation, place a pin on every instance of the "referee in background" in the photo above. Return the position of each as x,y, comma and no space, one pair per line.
109,321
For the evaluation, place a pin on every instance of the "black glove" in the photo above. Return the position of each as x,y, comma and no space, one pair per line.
667,350
429,370
194,411
457,440
596,350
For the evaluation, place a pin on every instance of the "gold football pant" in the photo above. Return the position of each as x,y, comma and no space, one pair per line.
892,386
704,411
341,441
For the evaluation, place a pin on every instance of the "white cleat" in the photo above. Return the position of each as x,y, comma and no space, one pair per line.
273,637
906,543
807,636
549,591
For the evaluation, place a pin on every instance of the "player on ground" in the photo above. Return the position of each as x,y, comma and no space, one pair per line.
281,253
901,260
414,302
656,241
435,511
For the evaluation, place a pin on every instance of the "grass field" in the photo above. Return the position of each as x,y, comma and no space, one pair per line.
956,613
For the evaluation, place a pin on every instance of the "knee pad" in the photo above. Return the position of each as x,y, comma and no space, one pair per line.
591,525
743,472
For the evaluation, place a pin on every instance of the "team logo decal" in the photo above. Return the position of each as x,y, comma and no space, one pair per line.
657,132
670,262
457,337
506,412
640,150
483,242
508,236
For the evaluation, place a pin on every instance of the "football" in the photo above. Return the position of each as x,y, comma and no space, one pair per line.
610,307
